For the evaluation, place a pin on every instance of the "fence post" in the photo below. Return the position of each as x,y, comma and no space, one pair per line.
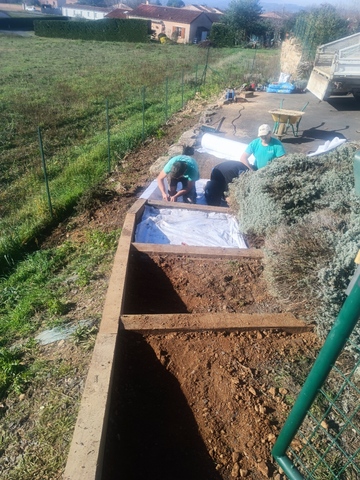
45,172
182,88
196,77
203,80
108,134
166,97
143,113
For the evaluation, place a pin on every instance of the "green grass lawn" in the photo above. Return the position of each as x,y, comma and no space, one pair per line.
60,88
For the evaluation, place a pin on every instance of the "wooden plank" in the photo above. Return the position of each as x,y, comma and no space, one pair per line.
138,208
85,458
87,447
184,322
188,206
115,292
210,252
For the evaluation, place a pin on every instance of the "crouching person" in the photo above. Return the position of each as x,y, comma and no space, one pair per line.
181,169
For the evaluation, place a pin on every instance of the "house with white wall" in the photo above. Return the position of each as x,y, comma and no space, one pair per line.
87,12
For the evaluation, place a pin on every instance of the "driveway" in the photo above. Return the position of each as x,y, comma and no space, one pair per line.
321,121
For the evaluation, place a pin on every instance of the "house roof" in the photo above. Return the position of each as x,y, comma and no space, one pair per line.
203,8
273,15
119,13
172,14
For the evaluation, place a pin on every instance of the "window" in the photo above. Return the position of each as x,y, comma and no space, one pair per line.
179,32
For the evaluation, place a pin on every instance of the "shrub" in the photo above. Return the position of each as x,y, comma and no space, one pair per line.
307,210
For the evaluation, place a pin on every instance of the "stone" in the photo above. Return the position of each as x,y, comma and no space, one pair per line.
252,391
235,470
272,391
235,456
263,468
158,165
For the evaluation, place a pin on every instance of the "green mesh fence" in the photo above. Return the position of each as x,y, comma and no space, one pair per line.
320,439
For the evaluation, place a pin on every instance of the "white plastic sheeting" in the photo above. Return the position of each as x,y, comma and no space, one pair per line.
188,227
221,147
329,145
231,150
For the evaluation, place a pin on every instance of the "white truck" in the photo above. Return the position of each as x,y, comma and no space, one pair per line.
336,69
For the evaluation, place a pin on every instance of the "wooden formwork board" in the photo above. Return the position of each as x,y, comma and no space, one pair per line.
213,321
205,252
85,459
86,450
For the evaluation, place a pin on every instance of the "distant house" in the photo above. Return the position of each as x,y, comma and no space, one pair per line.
180,24
87,12
204,8
276,20
121,12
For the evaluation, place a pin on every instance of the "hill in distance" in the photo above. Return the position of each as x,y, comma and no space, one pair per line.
268,6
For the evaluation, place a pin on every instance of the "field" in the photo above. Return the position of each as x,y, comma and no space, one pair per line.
78,108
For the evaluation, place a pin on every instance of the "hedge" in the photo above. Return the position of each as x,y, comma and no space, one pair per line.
111,30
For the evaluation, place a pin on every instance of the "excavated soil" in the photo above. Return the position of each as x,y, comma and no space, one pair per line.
206,405
181,284
201,405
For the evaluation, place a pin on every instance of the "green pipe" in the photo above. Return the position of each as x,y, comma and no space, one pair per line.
335,342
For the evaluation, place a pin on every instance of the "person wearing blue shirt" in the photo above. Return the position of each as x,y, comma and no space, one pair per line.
264,148
179,169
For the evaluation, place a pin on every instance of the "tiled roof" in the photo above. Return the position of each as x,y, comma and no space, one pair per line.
155,12
203,8
119,13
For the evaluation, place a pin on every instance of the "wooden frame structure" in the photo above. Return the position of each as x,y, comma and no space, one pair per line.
85,459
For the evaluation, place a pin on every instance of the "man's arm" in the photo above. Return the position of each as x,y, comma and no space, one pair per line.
184,191
244,159
161,184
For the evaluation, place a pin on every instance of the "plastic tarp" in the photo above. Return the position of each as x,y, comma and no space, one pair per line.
280,88
329,145
231,150
188,227
196,228
221,147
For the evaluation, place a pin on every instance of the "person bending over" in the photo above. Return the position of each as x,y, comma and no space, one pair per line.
179,169
220,177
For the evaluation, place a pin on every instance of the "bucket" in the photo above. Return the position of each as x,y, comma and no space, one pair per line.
357,172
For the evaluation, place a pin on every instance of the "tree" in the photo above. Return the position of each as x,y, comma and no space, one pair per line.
175,3
243,16
133,3
318,26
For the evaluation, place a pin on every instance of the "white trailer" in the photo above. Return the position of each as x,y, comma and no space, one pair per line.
336,68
